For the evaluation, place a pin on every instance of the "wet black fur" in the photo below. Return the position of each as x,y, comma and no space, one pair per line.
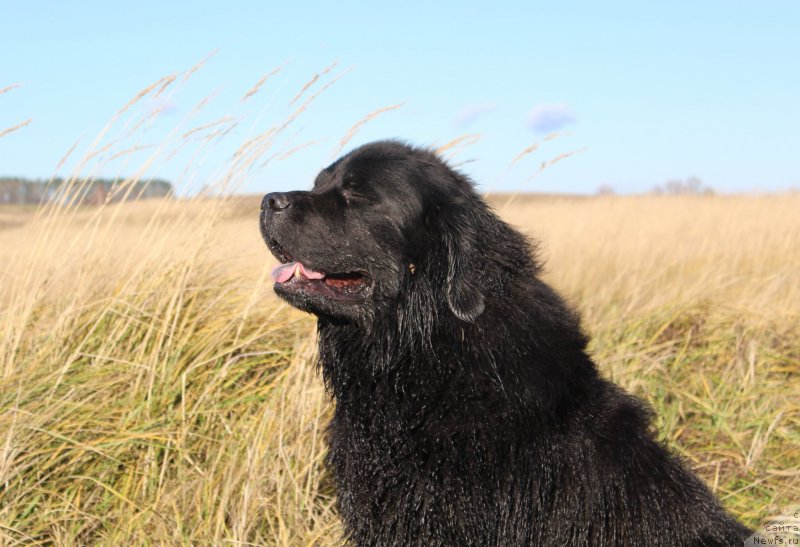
467,409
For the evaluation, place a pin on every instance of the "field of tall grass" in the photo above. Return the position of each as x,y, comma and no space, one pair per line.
153,390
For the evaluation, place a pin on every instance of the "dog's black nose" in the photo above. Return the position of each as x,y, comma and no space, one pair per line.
275,201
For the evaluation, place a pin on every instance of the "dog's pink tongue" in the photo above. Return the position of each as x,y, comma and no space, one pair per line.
284,272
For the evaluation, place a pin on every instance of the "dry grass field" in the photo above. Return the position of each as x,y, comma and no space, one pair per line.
154,391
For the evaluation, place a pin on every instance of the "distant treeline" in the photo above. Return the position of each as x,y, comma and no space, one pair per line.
83,191
675,187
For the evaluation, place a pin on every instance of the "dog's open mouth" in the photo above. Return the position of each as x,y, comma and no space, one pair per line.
294,277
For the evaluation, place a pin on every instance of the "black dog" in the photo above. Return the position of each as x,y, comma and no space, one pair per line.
467,410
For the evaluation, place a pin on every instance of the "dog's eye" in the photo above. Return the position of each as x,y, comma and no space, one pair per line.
349,183
350,188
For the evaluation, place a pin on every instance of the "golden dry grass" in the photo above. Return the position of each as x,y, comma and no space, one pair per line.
155,391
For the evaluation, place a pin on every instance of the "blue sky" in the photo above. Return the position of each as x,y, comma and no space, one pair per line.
645,91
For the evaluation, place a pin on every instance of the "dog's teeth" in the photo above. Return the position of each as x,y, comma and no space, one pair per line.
297,272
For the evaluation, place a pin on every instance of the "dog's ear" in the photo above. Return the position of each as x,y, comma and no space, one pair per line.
463,282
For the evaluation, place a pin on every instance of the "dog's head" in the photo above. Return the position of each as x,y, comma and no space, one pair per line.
384,223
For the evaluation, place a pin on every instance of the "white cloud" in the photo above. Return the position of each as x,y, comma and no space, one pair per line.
471,112
161,106
545,118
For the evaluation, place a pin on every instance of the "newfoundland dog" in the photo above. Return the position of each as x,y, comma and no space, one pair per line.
467,409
